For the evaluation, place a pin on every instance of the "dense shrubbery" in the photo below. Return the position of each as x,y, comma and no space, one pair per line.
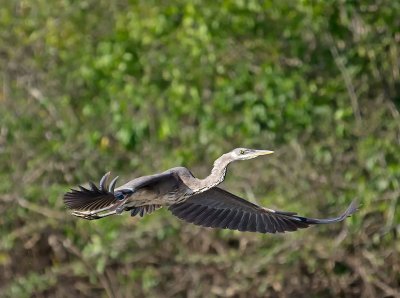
139,86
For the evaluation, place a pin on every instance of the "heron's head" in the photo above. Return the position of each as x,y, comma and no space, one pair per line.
244,153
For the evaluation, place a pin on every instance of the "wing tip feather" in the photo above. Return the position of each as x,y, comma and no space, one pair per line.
90,198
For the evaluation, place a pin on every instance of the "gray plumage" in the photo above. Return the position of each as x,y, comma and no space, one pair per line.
198,201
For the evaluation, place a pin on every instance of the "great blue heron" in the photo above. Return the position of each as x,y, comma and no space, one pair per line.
198,201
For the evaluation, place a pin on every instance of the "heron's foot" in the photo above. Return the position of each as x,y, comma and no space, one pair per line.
119,210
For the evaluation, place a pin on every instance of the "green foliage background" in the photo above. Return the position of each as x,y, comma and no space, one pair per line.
136,87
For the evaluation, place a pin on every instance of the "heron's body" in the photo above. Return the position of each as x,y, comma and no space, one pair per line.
172,189
198,201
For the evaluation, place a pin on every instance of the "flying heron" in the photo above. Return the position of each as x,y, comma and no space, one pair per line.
198,201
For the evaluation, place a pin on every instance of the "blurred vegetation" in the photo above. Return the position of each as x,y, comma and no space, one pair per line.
136,87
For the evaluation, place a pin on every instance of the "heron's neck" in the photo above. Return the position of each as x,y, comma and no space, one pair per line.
217,174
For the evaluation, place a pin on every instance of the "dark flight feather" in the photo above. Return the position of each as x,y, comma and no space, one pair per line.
143,210
93,198
89,199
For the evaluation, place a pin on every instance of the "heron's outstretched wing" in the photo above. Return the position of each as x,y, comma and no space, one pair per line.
217,208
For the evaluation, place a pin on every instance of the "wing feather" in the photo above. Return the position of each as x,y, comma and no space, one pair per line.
88,199
252,224
261,226
226,219
234,223
243,222
143,210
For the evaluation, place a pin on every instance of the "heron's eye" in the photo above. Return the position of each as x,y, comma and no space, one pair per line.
119,196
242,151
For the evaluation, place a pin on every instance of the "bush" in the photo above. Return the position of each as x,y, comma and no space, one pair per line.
136,87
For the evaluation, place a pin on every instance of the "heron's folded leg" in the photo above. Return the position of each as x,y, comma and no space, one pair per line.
106,214
93,215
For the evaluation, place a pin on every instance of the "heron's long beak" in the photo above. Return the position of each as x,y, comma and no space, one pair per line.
262,152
